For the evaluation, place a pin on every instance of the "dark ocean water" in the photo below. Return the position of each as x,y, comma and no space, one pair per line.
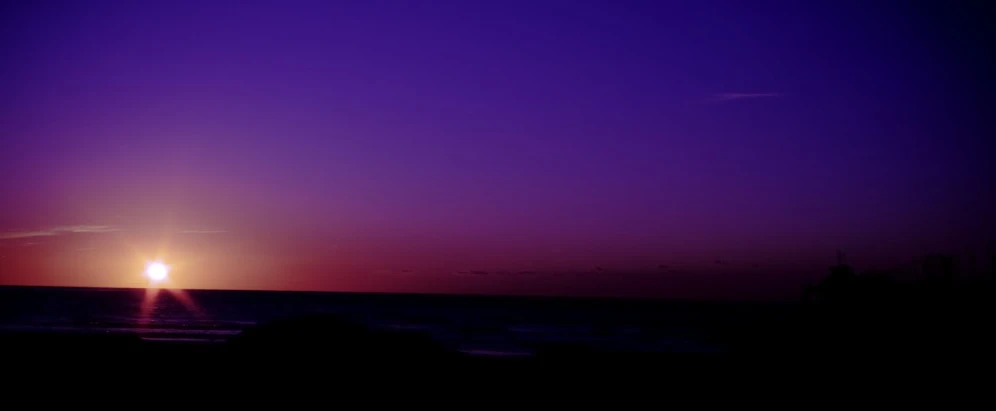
475,324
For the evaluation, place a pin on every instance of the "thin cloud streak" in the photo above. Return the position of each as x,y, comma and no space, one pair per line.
59,230
720,97
25,234
85,229
203,231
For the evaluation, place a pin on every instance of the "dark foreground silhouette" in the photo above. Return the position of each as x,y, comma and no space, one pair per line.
879,334
855,328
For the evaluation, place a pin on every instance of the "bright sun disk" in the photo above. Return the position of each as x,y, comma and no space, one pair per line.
156,271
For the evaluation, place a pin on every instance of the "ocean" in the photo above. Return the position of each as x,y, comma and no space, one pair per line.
480,325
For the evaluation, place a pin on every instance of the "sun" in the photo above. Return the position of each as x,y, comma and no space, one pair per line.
156,271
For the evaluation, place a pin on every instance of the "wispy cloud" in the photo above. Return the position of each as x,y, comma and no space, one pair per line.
58,230
719,97
203,231
24,234
86,229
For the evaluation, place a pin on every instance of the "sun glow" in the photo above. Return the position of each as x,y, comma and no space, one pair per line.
157,272
160,285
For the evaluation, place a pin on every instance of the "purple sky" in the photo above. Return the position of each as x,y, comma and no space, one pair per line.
391,146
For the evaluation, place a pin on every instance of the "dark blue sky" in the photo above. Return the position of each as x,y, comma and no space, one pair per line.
315,142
